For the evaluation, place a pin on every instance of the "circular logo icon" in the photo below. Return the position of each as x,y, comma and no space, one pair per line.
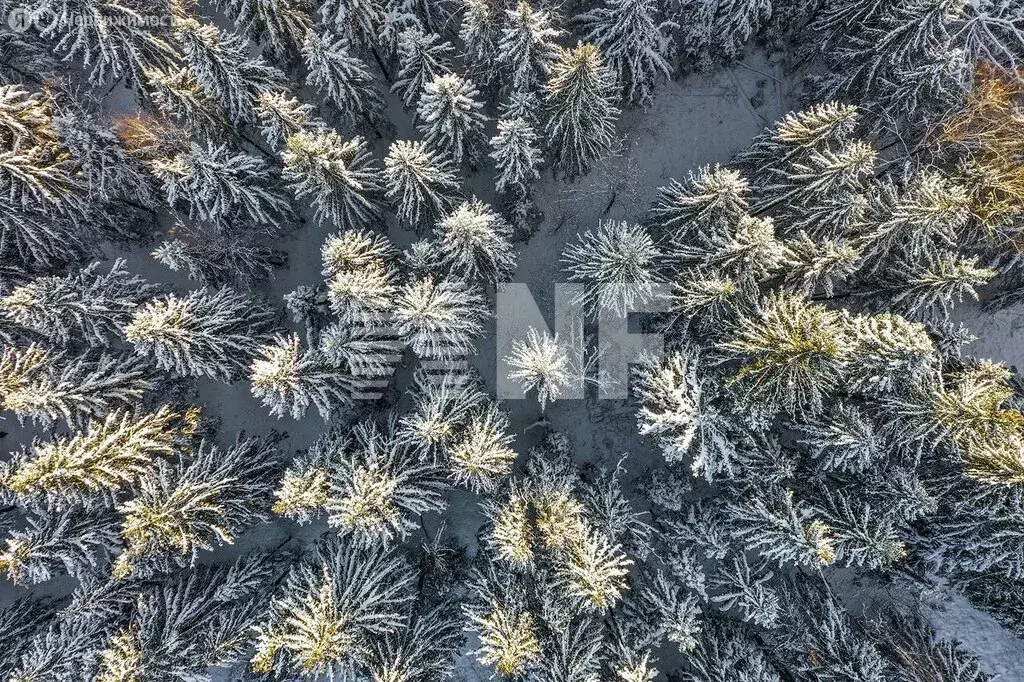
20,19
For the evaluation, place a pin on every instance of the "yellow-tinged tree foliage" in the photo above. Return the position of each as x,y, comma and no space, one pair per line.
990,131
108,456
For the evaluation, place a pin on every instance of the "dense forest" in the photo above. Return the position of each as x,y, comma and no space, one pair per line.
813,447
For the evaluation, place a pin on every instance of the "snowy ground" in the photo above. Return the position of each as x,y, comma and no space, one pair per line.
693,122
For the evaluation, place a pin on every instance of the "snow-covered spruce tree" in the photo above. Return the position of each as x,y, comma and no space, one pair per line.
280,26
205,499
212,334
216,183
815,266
524,105
192,620
527,48
480,32
422,258
114,43
547,565
432,16
685,416
594,574
743,589
45,386
988,133
515,150
580,96
847,440
61,649
360,22
616,264
362,277
636,46
29,237
719,30
213,260
577,649
25,116
792,355
427,647
50,220
22,619
398,18
560,524
442,406
508,639
910,642
451,117
819,623
512,536
355,249
364,349
725,649
223,66
148,137
541,363
343,78
481,457
421,183
931,287
920,217
176,94
302,493
288,379
87,306
439,319
378,486
422,57
905,63
517,157
58,649
36,169
99,462
864,536
969,538
475,243
819,176
784,530
677,615
281,116
308,307
330,609
366,353
338,174
798,134
75,541
822,192
107,171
